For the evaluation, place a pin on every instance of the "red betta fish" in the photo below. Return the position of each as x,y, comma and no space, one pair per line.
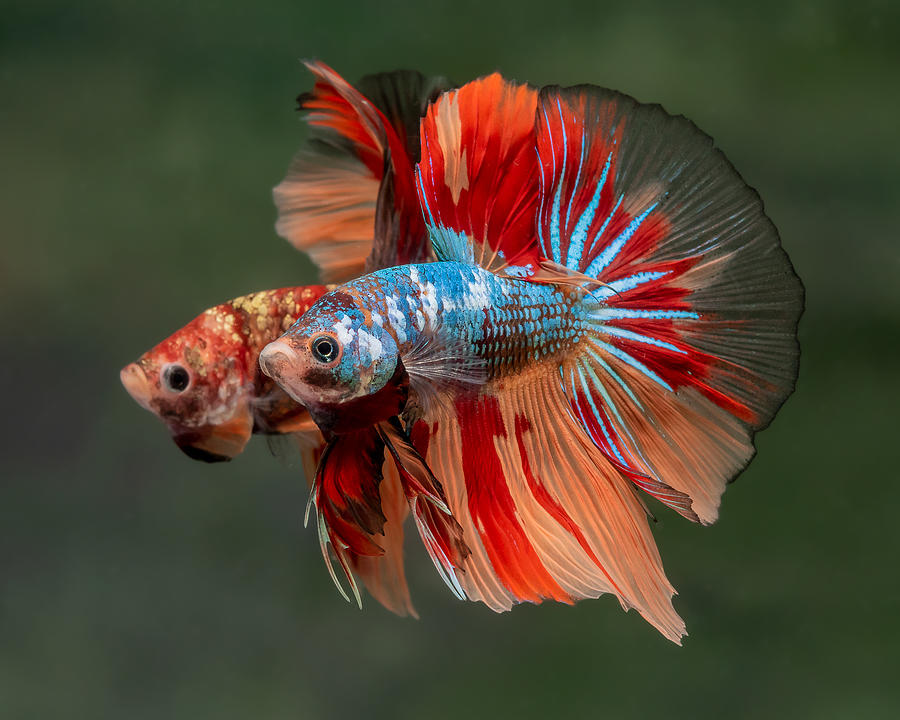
349,200
611,315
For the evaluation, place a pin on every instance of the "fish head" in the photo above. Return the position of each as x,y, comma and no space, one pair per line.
199,383
341,363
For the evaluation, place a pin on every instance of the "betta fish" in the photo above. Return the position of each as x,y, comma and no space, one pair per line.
611,316
349,200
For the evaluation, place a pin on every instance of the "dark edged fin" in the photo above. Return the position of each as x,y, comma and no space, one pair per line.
360,514
347,500
349,200
440,532
326,202
385,576
402,97
477,175
695,310
195,453
217,443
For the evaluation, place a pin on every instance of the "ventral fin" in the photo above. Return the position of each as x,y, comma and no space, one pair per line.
384,575
347,500
440,532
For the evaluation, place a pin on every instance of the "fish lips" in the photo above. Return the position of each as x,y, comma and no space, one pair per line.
136,384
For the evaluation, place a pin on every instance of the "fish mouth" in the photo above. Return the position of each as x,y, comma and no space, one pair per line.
136,384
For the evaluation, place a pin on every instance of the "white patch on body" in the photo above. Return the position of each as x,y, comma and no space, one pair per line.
228,394
479,296
396,318
430,302
342,328
370,344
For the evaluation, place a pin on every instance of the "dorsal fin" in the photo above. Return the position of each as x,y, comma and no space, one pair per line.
401,98
477,176
348,199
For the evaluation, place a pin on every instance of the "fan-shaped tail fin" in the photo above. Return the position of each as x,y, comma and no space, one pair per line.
693,314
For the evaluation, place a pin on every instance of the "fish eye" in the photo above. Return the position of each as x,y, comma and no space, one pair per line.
325,348
175,378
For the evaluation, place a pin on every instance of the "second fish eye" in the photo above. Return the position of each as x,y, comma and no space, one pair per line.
176,378
325,348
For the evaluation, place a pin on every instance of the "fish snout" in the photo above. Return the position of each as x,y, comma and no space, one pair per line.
276,360
136,384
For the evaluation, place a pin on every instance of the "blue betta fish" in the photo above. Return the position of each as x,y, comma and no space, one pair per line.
611,314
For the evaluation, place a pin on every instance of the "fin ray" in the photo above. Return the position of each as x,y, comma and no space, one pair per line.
525,476
686,261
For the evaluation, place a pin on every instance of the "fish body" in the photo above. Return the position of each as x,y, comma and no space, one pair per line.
612,316
502,326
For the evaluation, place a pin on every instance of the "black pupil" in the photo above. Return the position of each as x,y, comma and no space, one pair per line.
177,378
325,349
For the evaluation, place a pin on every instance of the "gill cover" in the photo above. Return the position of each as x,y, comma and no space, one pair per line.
366,367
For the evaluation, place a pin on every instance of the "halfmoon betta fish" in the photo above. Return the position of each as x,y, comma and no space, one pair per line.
349,200
611,315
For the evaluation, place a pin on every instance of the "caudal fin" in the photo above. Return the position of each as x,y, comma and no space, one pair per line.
693,345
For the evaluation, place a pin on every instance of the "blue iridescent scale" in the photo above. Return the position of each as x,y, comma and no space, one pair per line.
510,323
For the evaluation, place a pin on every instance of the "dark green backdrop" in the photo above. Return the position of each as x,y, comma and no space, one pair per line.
138,145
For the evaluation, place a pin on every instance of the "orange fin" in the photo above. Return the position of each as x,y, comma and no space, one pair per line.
384,576
545,515
440,532
215,443
349,200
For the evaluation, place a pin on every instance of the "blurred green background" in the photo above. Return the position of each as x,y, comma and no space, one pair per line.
138,145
